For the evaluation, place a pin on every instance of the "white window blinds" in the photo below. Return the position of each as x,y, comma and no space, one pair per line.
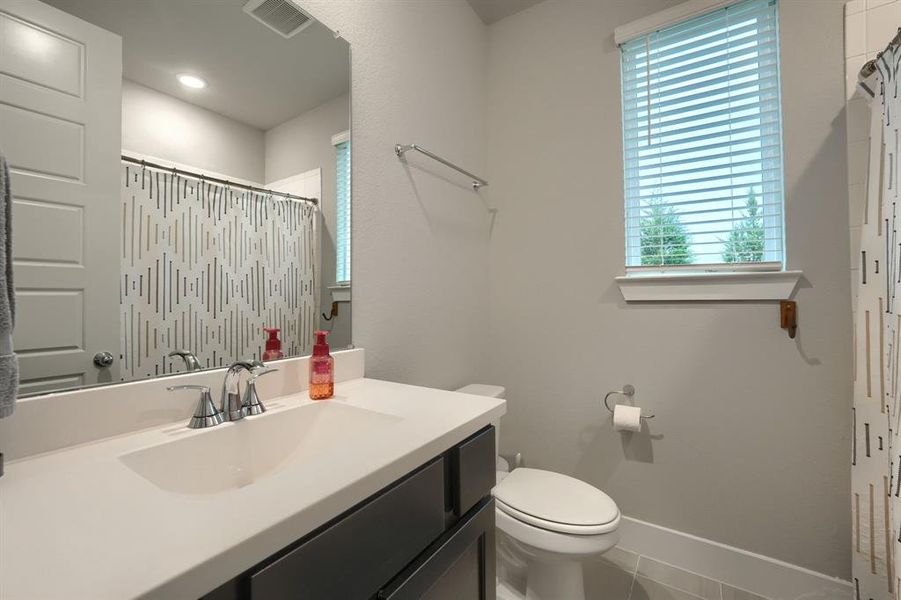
702,135
342,208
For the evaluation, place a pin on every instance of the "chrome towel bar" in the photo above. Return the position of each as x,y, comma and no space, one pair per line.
401,150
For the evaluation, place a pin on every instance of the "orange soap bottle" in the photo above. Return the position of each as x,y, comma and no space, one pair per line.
322,369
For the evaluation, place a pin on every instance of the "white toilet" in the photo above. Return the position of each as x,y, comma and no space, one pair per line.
547,524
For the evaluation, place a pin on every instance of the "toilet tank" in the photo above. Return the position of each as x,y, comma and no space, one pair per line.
492,391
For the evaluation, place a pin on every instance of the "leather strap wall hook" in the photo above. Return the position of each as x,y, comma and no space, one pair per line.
333,314
788,316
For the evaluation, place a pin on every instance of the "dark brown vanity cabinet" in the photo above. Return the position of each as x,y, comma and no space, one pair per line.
459,565
428,535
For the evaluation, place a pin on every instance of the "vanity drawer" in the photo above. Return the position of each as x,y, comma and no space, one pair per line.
363,550
473,470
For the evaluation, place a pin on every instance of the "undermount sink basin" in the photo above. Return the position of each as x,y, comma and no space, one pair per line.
234,455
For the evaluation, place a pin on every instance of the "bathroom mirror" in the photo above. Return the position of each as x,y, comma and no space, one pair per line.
180,177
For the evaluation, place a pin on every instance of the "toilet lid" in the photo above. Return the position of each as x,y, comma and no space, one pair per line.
556,502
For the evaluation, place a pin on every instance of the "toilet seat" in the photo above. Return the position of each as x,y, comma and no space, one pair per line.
554,526
551,545
556,502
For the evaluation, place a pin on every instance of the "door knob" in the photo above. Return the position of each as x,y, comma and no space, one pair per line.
103,359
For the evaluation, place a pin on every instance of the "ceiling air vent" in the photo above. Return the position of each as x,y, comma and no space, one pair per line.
282,16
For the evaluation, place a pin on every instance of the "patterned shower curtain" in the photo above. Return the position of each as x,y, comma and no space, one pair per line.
876,464
206,266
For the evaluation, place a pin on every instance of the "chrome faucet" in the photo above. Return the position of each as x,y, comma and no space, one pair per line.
205,415
191,362
251,402
230,406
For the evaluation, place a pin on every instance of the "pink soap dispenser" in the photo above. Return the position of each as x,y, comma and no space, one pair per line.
322,369
273,345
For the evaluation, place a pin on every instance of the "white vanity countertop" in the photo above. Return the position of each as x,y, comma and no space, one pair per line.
79,524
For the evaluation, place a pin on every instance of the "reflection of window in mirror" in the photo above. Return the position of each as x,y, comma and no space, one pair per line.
183,187
342,208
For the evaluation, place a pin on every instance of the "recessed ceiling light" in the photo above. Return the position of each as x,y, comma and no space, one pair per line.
191,81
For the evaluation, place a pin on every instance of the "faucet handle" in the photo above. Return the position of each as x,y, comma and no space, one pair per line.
206,414
251,402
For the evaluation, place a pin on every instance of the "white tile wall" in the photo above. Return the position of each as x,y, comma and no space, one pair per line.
855,34
855,6
882,24
857,198
869,27
858,119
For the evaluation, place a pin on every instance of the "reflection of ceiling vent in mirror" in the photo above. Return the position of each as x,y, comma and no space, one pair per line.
282,16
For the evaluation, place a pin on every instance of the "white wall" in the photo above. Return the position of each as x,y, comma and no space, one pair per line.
305,142
301,144
750,445
159,125
420,273
751,440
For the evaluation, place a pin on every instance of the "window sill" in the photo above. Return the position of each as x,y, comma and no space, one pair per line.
340,292
709,287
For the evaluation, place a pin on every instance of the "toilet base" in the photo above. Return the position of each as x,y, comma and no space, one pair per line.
505,591
535,563
555,580
543,581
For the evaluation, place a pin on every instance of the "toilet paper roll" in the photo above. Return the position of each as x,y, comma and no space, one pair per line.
626,418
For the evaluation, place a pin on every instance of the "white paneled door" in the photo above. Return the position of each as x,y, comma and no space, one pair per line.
60,129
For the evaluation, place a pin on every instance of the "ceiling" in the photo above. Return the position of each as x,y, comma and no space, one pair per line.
254,75
495,10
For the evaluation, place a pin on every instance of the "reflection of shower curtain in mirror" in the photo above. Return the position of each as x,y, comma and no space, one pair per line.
205,267
876,451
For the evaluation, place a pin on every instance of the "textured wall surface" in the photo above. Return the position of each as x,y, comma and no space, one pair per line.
420,234
162,126
751,442
303,143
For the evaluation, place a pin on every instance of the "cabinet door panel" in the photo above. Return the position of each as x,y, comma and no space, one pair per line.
352,558
460,564
473,470
461,580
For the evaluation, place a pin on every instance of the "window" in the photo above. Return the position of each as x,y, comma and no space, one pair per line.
342,209
702,136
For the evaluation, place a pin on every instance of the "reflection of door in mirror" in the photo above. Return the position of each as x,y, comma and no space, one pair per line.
175,182
60,130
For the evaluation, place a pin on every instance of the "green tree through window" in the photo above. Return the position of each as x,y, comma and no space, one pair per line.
702,134
745,242
664,239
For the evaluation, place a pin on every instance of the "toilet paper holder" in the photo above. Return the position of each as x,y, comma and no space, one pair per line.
628,390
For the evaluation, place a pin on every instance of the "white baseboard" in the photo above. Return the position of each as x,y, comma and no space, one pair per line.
755,573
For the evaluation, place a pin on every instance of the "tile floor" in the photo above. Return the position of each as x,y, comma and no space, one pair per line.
624,575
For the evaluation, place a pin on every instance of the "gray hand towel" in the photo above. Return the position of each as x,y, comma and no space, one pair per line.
9,365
